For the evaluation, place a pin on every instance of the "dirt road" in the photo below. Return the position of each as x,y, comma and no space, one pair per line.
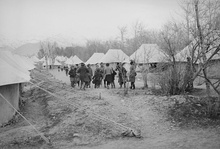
74,120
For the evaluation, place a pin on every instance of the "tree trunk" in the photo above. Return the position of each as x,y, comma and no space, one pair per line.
188,77
46,58
144,75
174,78
204,58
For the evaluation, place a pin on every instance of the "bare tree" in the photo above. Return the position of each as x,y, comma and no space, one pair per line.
185,5
48,51
204,17
145,68
139,34
202,44
172,39
123,32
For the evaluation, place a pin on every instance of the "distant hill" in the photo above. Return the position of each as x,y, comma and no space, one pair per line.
28,49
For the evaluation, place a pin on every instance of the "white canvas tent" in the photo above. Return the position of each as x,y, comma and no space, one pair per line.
76,60
43,59
94,59
148,53
187,52
13,73
73,60
69,61
113,56
56,63
213,66
58,58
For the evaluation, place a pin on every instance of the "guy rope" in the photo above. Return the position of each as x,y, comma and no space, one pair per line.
39,133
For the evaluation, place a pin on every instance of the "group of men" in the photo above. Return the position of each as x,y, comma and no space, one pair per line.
83,75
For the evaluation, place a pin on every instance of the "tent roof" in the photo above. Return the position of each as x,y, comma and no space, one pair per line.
11,74
187,52
21,59
73,60
69,61
61,58
113,55
76,60
95,58
29,61
56,63
10,59
148,53
57,58
42,59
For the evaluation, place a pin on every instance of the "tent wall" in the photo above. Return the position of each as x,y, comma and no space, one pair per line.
11,93
55,66
213,68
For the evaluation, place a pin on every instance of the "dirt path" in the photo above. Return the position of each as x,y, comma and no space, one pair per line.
70,120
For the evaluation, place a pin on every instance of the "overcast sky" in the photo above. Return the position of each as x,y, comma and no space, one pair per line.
79,19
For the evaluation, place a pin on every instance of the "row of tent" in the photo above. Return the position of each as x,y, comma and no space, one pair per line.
61,60
146,53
